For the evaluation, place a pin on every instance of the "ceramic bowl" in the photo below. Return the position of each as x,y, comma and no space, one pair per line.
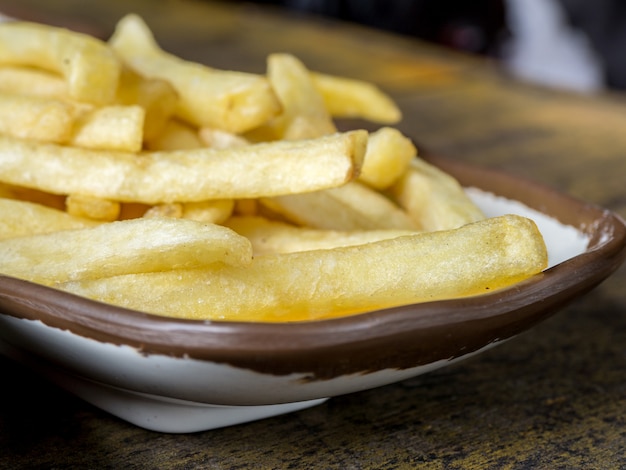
176,376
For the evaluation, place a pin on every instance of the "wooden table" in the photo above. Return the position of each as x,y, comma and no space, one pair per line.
555,397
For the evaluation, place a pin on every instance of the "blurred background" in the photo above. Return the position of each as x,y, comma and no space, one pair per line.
572,44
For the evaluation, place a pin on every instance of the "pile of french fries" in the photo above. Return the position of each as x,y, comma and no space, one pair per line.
134,177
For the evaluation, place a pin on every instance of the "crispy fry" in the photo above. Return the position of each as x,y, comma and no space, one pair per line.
185,176
352,206
215,211
92,207
21,218
218,139
36,118
33,82
351,98
433,199
208,97
90,68
310,285
271,236
132,246
175,135
158,98
173,210
304,114
114,127
388,156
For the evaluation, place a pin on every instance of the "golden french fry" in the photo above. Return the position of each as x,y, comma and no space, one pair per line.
175,135
124,247
93,208
113,127
36,118
388,156
157,97
351,98
20,218
433,199
91,69
266,169
271,236
31,81
304,115
352,206
215,211
219,139
309,285
208,97
173,210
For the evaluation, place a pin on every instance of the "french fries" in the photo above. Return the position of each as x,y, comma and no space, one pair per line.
352,206
262,170
389,154
433,199
231,101
138,178
157,98
351,98
91,69
317,284
22,218
124,247
112,127
272,236
304,114
93,208
32,82
175,135
216,211
39,119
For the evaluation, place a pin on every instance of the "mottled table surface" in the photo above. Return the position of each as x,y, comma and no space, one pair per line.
554,397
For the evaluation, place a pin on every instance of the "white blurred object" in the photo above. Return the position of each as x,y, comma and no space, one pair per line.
544,49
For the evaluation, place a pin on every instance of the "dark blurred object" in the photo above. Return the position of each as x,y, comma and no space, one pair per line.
485,27
604,23
475,26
